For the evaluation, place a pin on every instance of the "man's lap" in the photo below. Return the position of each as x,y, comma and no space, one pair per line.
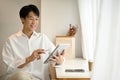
22,76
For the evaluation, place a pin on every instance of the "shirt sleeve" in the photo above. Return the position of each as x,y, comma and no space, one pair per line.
9,59
49,44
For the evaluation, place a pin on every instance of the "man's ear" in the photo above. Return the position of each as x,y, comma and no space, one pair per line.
22,20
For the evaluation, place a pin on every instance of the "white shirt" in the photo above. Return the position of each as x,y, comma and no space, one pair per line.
19,46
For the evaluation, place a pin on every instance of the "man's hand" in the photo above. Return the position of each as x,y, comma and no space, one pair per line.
35,55
58,58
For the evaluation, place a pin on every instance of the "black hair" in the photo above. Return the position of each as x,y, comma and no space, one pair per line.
24,11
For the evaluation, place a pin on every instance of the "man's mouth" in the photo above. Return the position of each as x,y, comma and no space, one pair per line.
33,26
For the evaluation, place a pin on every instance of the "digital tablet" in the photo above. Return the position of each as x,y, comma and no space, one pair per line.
59,48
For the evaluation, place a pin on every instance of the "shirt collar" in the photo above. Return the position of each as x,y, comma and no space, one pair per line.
20,33
35,33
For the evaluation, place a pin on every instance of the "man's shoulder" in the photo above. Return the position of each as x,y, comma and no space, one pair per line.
13,36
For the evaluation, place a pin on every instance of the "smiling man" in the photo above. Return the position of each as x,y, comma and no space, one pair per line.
25,51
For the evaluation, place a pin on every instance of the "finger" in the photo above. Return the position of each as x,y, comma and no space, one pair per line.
50,59
63,53
58,54
55,57
54,60
38,57
39,51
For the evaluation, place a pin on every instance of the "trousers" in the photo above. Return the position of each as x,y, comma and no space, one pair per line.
22,76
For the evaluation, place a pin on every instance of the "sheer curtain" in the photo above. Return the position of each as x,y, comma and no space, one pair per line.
103,18
88,14
107,58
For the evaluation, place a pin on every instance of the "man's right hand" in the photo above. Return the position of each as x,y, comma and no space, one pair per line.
35,55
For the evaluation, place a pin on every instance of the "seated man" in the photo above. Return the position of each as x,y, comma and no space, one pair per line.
25,51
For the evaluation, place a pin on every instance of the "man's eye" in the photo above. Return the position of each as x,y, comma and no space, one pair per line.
31,18
37,19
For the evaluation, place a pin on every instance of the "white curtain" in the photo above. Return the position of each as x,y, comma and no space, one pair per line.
107,58
103,18
88,15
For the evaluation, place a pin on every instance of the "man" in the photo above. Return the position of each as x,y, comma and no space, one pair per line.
25,51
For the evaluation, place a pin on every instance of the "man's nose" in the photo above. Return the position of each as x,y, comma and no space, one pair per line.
34,22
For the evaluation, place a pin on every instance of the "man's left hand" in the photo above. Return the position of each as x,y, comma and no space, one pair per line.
59,58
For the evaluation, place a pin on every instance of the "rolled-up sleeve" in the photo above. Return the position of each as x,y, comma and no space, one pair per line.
9,59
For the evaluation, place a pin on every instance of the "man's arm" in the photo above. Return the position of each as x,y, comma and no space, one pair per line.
27,61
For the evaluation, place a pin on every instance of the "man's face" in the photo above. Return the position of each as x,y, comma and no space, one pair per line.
30,22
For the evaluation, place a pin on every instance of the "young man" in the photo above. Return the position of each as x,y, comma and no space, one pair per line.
25,51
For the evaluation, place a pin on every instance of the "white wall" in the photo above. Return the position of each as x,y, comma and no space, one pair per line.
56,15
9,15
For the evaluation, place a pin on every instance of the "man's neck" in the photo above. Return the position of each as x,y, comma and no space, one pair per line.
28,33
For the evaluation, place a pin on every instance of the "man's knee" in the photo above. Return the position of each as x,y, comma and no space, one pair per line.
20,76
